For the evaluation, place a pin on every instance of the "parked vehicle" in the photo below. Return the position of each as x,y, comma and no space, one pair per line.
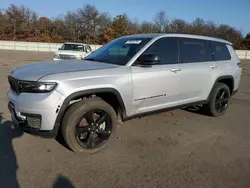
129,77
72,51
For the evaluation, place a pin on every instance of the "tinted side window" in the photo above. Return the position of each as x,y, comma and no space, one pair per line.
90,48
220,51
166,49
194,50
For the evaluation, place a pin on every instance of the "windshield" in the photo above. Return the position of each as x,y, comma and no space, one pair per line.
119,51
73,47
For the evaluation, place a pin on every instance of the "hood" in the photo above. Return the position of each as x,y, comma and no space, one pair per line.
68,52
34,71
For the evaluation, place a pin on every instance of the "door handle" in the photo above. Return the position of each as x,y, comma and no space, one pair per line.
175,70
213,67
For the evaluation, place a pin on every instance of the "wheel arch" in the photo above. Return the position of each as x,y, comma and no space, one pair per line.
227,79
100,92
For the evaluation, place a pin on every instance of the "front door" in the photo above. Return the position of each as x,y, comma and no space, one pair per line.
156,87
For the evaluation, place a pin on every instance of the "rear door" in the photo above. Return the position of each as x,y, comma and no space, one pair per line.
228,63
198,70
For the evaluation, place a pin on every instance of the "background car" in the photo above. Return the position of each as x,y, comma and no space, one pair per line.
72,51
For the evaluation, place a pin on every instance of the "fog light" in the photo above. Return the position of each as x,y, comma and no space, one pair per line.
79,57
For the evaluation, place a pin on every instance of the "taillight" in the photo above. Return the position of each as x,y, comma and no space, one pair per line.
239,64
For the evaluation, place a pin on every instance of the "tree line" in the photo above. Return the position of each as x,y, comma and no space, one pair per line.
87,24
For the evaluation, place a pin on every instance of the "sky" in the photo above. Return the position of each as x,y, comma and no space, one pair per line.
235,13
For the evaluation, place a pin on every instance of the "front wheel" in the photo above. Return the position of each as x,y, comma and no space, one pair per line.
218,101
89,125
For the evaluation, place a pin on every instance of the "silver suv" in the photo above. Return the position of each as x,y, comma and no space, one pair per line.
131,76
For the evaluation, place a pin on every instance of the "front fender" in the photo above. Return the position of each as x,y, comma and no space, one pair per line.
79,94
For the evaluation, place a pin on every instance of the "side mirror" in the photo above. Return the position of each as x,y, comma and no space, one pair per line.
149,59
59,48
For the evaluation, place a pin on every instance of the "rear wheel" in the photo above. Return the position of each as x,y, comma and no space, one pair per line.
89,125
219,100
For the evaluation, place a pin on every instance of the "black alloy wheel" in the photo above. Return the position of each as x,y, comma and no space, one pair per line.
94,129
221,101
218,101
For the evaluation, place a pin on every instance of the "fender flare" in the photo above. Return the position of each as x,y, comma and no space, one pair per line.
218,80
88,92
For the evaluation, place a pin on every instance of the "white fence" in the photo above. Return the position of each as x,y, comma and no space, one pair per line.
34,46
243,54
52,47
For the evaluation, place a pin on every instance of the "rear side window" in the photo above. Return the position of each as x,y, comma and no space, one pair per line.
220,51
166,49
89,48
194,50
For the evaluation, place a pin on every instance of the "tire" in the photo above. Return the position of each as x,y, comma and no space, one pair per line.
75,114
211,108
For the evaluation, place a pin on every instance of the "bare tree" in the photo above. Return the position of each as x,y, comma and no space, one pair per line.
88,19
161,21
104,21
178,26
148,27
73,26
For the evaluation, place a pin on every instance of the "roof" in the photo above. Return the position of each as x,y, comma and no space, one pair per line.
160,35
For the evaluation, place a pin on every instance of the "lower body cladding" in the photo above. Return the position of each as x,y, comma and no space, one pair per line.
35,113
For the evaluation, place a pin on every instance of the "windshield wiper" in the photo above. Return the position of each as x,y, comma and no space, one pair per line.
90,59
93,59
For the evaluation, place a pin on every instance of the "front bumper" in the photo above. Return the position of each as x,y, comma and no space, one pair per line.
30,130
35,113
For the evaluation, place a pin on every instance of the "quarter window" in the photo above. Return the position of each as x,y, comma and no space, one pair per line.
194,50
220,51
166,49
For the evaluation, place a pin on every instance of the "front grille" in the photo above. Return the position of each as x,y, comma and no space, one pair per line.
64,56
15,84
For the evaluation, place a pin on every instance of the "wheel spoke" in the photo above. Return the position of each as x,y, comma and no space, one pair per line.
221,101
104,134
90,142
101,119
221,107
218,106
225,100
89,117
83,129
222,95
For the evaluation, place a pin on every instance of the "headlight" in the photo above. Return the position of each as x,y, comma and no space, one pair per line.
20,86
56,56
79,57
36,87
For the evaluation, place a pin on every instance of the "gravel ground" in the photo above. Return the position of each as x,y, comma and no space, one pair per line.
172,149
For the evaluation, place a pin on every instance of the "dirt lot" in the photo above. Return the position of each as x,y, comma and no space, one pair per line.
173,149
